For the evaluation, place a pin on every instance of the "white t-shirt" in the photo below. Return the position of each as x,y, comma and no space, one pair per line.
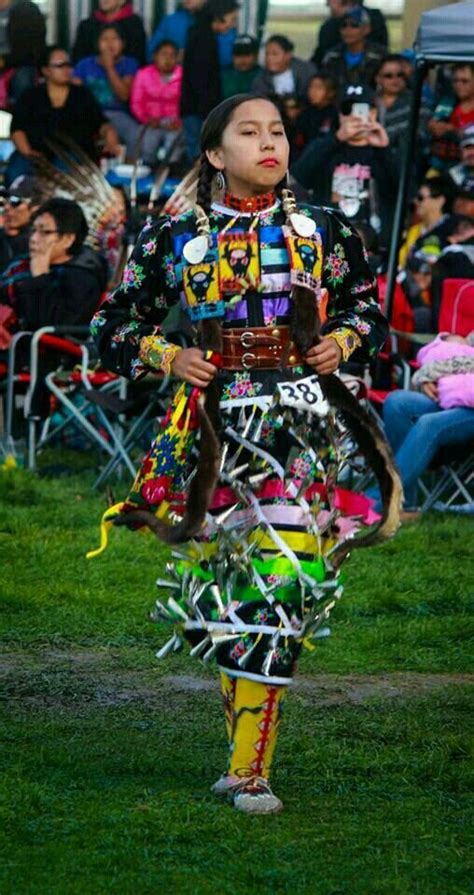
284,83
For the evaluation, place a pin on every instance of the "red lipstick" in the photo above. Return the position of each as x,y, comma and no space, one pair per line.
269,162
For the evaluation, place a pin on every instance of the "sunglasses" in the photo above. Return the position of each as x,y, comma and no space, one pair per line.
60,65
420,197
16,201
351,24
393,74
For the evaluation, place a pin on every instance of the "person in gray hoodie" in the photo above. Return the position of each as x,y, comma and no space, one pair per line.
284,74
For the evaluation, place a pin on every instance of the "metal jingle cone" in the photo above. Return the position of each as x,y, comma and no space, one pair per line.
195,250
302,225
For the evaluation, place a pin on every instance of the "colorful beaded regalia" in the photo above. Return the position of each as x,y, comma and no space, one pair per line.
247,482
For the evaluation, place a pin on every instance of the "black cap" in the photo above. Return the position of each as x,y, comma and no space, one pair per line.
356,93
245,45
26,187
358,14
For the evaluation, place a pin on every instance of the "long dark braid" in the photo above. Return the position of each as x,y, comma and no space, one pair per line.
204,188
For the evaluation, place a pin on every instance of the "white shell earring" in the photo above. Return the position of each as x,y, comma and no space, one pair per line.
220,182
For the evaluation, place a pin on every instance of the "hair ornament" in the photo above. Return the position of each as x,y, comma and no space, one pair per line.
196,249
302,225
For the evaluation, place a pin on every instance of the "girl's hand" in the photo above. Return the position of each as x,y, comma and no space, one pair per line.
430,389
189,365
377,135
325,357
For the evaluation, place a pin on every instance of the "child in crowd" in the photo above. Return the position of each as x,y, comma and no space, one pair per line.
245,68
156,96
109,75
320,117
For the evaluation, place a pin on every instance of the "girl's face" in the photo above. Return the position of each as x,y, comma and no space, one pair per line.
317,93
111,42
277,60
166,59
254,150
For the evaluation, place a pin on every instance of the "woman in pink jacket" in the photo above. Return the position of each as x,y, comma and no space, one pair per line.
418,423
155,99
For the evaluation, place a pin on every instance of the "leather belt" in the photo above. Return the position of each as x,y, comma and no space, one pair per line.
261,347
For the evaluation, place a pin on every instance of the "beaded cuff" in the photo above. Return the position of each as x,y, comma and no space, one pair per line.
157,353
347,339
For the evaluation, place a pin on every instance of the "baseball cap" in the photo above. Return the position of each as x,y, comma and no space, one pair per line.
356,93
26,187
359,15
244,45
467,137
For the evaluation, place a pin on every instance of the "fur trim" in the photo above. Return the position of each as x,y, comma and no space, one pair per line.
206,476
377,452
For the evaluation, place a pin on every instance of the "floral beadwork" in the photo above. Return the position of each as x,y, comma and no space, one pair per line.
129,331
363,286
97,322
345,231
361,326
133,276
301,467
241,387
149,248
336,265
169,270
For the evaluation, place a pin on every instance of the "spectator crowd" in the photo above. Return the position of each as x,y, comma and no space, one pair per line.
119,93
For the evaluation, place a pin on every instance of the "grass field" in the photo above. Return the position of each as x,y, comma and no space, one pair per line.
108,756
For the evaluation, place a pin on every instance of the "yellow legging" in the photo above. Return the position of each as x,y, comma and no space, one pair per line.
252,712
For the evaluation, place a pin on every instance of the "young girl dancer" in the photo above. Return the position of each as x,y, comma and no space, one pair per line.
244,472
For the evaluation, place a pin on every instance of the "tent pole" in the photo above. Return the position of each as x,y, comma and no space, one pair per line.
405,172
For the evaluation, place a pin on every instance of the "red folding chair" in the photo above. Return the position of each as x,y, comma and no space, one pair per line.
456,314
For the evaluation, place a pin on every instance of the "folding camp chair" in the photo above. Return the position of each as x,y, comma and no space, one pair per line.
449,483
112,413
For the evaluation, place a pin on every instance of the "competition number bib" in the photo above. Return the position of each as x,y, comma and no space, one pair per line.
305,395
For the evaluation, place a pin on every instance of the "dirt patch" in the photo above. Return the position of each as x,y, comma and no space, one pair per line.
80,679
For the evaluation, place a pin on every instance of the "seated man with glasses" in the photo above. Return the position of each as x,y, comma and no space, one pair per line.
59,282
54,109
21,200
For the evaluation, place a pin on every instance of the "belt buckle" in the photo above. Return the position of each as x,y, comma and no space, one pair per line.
247,339
248,360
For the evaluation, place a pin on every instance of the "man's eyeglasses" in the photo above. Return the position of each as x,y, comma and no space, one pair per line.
393,74
16,201
41,232
60,65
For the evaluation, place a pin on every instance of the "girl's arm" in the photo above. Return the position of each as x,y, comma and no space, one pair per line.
354,317
121,86
135,311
